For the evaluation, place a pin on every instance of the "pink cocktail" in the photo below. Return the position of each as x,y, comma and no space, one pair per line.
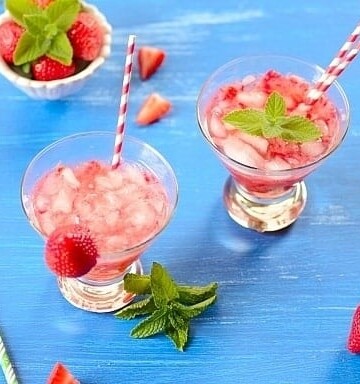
266,191
72,182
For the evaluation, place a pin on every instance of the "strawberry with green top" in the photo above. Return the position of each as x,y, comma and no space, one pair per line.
44,37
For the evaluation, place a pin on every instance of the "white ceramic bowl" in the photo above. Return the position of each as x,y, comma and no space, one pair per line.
57,89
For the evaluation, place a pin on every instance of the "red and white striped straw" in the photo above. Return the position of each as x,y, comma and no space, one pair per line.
120,129
340,62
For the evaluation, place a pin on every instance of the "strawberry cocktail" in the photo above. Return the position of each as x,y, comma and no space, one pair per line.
256,115
76,200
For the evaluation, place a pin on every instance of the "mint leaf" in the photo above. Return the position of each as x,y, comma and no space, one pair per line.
19,8
138,284
273,123
29,48
189,311
63,13
178,336
61,49
299,129
152,324
272,130
275,107
250,121
162,286
35,24
192,295
142,307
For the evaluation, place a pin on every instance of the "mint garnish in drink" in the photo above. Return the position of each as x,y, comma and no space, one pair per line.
169,306
45,29
273,123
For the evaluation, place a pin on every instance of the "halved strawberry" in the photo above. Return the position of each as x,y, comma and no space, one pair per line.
153,109
70,251
149,60
61,375
86,36
10,33
354,335
47,69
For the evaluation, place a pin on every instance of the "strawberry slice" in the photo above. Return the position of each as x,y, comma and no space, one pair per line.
149,60
70,251
354,335
153,109
61,375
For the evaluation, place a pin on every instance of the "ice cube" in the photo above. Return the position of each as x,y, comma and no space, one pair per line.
313,149
243,153
252,99
277,164
63,202
69,178
258,142
216,127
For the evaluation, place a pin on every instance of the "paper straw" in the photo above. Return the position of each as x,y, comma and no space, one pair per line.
6,365
340,62
123,102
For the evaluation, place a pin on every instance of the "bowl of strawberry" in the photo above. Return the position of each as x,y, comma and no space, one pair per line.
50,48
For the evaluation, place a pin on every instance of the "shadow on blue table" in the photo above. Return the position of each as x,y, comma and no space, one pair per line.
345,369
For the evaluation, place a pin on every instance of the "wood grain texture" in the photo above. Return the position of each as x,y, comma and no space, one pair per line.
285,299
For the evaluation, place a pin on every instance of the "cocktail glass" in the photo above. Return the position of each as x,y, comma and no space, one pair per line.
263,199
102,290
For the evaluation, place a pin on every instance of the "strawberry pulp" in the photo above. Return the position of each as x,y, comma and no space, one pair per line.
279,164
123,209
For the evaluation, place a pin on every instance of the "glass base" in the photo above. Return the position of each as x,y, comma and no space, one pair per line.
260,214
98,298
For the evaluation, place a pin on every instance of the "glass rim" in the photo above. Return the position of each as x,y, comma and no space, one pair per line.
130,138
310,65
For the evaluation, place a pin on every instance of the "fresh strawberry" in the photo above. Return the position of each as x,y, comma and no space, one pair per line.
86,36
46,69
149,60
10,33
354,336
70,251
61,375
153,109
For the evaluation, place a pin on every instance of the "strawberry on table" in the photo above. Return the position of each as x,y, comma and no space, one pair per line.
61,375
47,69
10,33
354,336
86,36
149,61
70,251
153,109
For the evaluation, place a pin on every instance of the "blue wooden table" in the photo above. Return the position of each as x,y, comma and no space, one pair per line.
285,299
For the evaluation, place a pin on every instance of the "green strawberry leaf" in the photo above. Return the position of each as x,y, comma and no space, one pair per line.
35,24
250,121
61,49
28,49
19,8
299,129
141,307
275,107
138,284
152,325
163,287
192,295
190,311
178,336
63,13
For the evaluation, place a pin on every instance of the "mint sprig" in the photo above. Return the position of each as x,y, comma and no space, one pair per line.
45,29
169,306
272,122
